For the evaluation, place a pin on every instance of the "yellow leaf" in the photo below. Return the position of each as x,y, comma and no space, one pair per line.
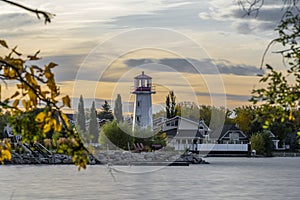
48,74
33,97
20,86
12,73
6,71
6,155
3,43
47,128
15,103
65,118
28,78
25,104
44,93
52,65
40,117
66,101
34,57
58,127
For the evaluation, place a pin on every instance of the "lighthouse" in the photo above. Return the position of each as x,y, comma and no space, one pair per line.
143,90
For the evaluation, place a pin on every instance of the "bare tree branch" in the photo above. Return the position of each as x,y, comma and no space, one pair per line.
48,16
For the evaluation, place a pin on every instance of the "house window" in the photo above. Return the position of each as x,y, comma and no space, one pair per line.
234,136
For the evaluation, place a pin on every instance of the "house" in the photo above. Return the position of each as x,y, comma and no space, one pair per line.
183,133
291,141
227,134
274,140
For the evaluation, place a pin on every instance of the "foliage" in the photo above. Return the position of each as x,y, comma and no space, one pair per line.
36,86
106,112
190,111
120,135
215,117
93,126
279,100
116,136
245,119
81,116
171,109
118,109
262,143
5,149
4,119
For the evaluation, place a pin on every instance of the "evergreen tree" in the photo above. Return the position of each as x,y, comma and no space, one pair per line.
93,125
171,109
106,112
81,115
118,109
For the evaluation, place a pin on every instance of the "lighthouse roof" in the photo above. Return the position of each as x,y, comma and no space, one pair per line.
142,76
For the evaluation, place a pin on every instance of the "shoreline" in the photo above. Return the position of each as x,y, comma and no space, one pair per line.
169,158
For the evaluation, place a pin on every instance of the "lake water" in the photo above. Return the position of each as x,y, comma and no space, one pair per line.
224,178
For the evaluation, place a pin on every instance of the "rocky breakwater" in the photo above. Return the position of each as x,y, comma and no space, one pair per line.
128,158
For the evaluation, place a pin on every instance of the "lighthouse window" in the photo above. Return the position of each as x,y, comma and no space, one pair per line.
138,118
138,103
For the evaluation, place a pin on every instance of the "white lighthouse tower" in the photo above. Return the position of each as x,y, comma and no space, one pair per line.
143,90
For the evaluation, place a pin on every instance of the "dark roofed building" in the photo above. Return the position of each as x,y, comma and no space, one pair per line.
228,134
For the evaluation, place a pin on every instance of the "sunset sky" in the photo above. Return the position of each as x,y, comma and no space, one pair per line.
207,51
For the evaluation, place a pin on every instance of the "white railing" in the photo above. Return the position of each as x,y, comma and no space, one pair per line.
211,147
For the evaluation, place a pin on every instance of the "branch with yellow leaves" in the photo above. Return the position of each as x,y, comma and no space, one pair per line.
36,84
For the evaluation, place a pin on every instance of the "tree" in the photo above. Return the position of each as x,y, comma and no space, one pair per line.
245,119
262,143
4,120
93,125
81,116
215,117
116,136
118,109
106,112
36,84
281,95
171,109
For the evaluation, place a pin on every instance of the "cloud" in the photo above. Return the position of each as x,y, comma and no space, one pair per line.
265,19
67,68
16,20
178,14
230,97
205,66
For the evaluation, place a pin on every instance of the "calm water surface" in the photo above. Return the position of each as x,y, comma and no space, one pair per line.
224,178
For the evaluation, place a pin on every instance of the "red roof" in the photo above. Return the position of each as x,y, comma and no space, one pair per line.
142,76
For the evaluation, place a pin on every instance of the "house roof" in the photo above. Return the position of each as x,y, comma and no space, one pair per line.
205,126
189,134
221,131
174,133
179,117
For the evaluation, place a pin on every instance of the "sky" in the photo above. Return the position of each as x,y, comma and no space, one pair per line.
206,51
